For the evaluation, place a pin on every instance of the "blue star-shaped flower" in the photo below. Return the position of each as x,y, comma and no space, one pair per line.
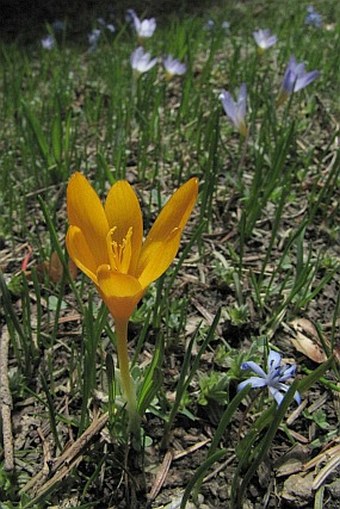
274,378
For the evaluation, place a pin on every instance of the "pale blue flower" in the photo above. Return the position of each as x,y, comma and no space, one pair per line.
141,60
295,77
210,24
173,66
313,17
274,378
48,42
110,27
236,110
144,29
93,37
264,39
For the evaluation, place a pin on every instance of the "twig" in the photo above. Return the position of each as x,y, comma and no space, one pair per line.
326,471
169,457
161,475
66,461
334,452
219,468
6,402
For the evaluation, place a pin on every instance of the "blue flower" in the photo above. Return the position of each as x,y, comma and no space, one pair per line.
173,67
295,78
210,25
144,29
313,17
48,42
93,38
236,110
109,26
141,60
264,39
274,378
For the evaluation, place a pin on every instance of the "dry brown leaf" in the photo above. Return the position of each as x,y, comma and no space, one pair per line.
54,268
302,324
309,347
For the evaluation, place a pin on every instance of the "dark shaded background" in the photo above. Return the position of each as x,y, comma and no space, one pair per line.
25,20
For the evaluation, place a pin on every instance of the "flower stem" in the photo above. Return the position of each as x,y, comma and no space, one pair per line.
121,327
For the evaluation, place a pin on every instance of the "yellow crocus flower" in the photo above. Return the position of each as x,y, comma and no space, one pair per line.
106,243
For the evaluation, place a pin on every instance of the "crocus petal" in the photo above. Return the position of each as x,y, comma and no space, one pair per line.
274,360
242,385
275,392
85,210
121,292
276,395
292,63
229,106
297,397
271,40
306,80
242,102
123,212
157,257
289,372
174,214
299,69
255,381
254,367
80,252
289,81
284,388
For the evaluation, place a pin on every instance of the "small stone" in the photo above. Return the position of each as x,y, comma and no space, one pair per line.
298,489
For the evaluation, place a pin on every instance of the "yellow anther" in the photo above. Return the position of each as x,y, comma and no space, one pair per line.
120,253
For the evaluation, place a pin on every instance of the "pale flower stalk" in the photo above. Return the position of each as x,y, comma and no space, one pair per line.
236,110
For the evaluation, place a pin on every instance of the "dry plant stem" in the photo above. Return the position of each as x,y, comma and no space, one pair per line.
62,465
125,377
6,402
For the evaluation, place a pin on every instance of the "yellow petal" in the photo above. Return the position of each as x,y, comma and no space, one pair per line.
121,292
79,251
123,212
174,214
157,257
162,242
85,210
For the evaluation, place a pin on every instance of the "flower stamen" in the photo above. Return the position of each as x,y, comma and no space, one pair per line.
120,253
